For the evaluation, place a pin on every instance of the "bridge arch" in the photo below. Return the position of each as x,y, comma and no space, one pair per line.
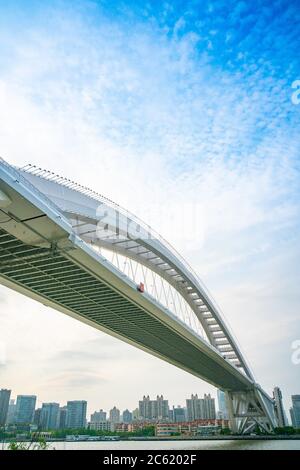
52,222
104,224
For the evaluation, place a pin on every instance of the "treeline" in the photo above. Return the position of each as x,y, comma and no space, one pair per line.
287,430
148,431
62,433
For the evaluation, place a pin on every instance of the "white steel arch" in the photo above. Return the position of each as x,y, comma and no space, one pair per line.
100,222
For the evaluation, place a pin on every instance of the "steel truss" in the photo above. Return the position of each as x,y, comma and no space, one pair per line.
250,411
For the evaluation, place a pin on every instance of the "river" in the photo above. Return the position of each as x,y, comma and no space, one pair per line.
181,445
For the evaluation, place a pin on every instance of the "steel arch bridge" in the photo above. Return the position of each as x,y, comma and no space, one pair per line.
78,252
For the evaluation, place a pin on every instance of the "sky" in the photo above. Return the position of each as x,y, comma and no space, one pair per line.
167,108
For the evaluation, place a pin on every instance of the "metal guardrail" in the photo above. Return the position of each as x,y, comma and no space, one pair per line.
19,177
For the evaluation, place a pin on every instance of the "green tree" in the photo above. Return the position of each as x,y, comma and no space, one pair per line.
286,430
41,444
225,431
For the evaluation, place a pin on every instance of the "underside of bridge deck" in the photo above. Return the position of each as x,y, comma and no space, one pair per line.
54,276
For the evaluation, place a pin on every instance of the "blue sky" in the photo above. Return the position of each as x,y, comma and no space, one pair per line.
149,102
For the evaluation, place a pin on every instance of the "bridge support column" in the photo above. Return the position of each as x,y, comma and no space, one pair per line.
250,410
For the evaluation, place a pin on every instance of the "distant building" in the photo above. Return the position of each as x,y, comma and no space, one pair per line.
179,414
114,415
37,418
295,411
193,408
279,410
102,426
98,416
11,414
4,404
162,408
127,416
154,409
135,414
62,417
25,407
167,429
76,414
198,427
49,416
209,407
200,408
145,408
222,405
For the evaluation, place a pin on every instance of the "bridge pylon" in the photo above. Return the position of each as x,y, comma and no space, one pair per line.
249,410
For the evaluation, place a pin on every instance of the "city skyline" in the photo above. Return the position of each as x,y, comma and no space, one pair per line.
90,411
24,411
163,112
194,408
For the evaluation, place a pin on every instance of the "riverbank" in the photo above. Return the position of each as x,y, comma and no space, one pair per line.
177,438
195,445
214,438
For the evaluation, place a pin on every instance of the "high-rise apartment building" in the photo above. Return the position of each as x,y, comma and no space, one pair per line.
179,414
135,414
98,416
127,416
200,408
4,404
145,408
76,414
222,405
25,407
209,407
295,411
162,411
154,409
193,408
62,417
49,416
114,415
37,417
279,410
11,414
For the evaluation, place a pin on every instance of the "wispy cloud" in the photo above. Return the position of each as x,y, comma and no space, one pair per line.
155,106
78,380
